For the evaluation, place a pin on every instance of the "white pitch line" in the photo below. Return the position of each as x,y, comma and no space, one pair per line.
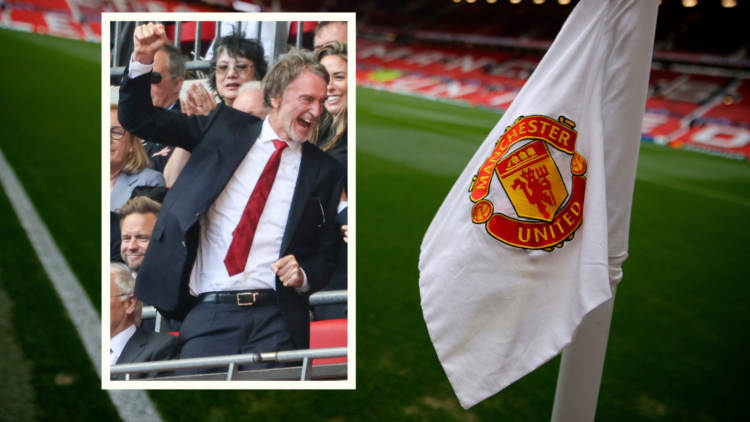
132,405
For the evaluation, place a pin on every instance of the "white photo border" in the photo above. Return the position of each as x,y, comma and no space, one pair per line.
350,382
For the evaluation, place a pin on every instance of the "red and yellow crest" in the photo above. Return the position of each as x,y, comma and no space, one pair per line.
547,214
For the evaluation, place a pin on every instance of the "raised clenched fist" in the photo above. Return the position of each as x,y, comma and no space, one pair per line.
147,40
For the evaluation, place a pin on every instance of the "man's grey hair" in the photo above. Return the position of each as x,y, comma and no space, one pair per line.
175,61
123,279
286,70
126,283
249,86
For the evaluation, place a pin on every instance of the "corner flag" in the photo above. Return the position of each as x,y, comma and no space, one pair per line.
535,229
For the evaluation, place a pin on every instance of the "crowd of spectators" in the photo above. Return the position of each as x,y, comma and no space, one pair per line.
229,207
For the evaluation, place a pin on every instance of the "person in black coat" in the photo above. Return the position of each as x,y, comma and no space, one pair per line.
128,342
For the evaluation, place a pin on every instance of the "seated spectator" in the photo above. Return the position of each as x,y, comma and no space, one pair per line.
127,164
128,343
327,32
250,100
166,83
330,132
137,219
236,61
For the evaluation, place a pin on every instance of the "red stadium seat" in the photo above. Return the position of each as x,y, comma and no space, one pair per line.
96,28
60,6
28,16
208,30
331,333
187,37
306,27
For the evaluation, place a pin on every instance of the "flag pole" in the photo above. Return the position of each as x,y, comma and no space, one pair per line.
582,365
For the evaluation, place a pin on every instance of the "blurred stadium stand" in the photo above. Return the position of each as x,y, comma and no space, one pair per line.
480,54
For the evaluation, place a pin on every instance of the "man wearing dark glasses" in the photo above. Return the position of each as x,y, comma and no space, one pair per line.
166,82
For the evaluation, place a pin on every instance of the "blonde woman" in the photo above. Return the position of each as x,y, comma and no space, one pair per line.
330,132
128,164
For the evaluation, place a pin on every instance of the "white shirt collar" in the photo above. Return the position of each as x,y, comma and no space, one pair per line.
118,342
267,134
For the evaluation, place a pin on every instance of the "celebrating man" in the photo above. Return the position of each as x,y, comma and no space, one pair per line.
246,232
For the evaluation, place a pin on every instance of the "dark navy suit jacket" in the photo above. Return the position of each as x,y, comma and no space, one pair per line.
147,346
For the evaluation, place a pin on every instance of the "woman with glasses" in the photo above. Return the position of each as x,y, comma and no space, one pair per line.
128,164
236,60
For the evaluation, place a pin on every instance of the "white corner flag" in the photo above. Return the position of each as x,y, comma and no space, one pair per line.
536,227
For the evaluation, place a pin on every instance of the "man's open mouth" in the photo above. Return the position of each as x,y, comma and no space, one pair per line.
304,123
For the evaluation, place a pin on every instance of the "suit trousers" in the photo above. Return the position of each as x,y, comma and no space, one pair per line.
218,329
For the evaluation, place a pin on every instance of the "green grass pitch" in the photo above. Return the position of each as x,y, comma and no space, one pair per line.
679,332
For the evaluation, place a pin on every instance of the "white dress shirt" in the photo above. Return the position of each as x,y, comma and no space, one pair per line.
217,224
118,342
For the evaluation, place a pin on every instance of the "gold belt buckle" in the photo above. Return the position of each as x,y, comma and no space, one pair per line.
243,303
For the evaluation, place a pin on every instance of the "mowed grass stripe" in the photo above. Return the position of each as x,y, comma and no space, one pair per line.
133,406
16,392
53,141
432,137
677,340
51,107
65,383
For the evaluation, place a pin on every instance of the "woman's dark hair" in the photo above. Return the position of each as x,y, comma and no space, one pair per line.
236,45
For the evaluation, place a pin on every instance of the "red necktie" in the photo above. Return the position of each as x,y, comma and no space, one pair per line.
242,236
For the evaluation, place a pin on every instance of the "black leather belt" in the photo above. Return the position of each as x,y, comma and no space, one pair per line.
240,298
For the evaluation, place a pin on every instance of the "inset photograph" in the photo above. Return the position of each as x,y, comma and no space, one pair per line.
229,201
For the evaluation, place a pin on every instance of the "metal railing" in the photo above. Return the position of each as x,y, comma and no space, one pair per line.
277,47
233,362
316,299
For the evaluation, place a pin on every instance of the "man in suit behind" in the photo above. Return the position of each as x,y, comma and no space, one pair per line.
249,263
169,65
127,342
